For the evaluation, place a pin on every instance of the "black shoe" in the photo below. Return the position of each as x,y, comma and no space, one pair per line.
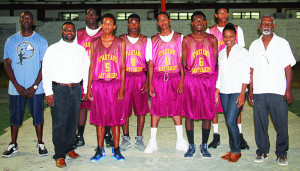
42,149
79,140
108,137
215,142
10,150
243,143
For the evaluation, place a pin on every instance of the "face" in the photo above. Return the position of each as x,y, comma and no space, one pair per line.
91,16
222,15
163,21
229,38
199,23
133,25
26,20
108,25
266,26
68,33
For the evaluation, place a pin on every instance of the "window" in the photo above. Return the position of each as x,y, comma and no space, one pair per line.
123,15
181,15
63,16
298,14
245,15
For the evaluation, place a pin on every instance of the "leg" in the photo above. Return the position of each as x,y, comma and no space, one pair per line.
181,144
116,135
189,126
141,123
126,142
100,135
39,133
14,134
205,134
243,142
125,127
81,125
152,145
154,121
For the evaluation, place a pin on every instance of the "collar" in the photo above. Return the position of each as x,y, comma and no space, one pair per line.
64,43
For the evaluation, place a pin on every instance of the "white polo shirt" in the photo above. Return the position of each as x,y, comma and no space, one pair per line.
234,70
268,65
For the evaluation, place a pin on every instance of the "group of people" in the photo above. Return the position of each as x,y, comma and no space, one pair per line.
193,76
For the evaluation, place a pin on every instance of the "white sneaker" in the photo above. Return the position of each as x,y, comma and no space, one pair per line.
182,145
151,147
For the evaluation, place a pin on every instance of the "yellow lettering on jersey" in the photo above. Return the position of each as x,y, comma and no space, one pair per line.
134,69
220,43
107,57
201,52
107,75
201,70
166,51
167,68
134,53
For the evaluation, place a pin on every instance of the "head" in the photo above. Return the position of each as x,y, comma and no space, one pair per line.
68,32
26,20
222,12
267,25
91,16
133,23
108,23
198,21
163,20
229,35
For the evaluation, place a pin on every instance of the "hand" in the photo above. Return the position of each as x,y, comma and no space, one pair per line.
250,98
21,90
144,88
180,88
121,93
90,95
217,97
50,100
31,91
240,100
289,97
85,97
151,91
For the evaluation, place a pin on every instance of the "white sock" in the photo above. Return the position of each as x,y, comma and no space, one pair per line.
216,128
240,127
153,133
179,132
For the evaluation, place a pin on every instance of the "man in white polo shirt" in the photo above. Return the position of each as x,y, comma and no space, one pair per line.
271,79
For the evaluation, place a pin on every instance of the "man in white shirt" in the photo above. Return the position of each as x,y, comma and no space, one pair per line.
222,14
270,89
65,65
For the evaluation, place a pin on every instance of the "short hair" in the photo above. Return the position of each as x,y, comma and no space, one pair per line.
68,22
268,15
163,13
198,13
86,11
109,15
134,16
28,12
221,6
229,26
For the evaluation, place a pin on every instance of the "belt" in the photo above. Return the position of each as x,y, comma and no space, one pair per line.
67,85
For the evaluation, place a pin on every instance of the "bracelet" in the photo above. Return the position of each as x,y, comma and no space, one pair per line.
243,92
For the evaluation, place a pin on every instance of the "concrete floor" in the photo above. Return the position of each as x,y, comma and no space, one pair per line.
166,158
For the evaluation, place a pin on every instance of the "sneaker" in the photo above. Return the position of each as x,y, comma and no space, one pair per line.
282,161
215,142
260,158
151,147
116,154
42,149
108,137
139,144
182,145
191,151
243,143
204,152
126,143
79,141
10,149
99,155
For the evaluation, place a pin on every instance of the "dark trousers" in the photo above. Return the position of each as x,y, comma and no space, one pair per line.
64,118
232,112
278,108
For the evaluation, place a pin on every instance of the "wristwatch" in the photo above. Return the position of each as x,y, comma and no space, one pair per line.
35,87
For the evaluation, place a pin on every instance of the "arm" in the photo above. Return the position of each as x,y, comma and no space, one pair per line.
288,93
183,64
250,96
86,65
20,89
241,99
121,93
89,87
216,53
150,70
47,76
31,90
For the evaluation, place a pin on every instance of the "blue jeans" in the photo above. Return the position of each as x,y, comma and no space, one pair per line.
232,112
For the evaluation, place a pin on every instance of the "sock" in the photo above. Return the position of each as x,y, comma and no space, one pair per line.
216,128
153,133
205,135
81,129
126,135
179,132
190,136
240,127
